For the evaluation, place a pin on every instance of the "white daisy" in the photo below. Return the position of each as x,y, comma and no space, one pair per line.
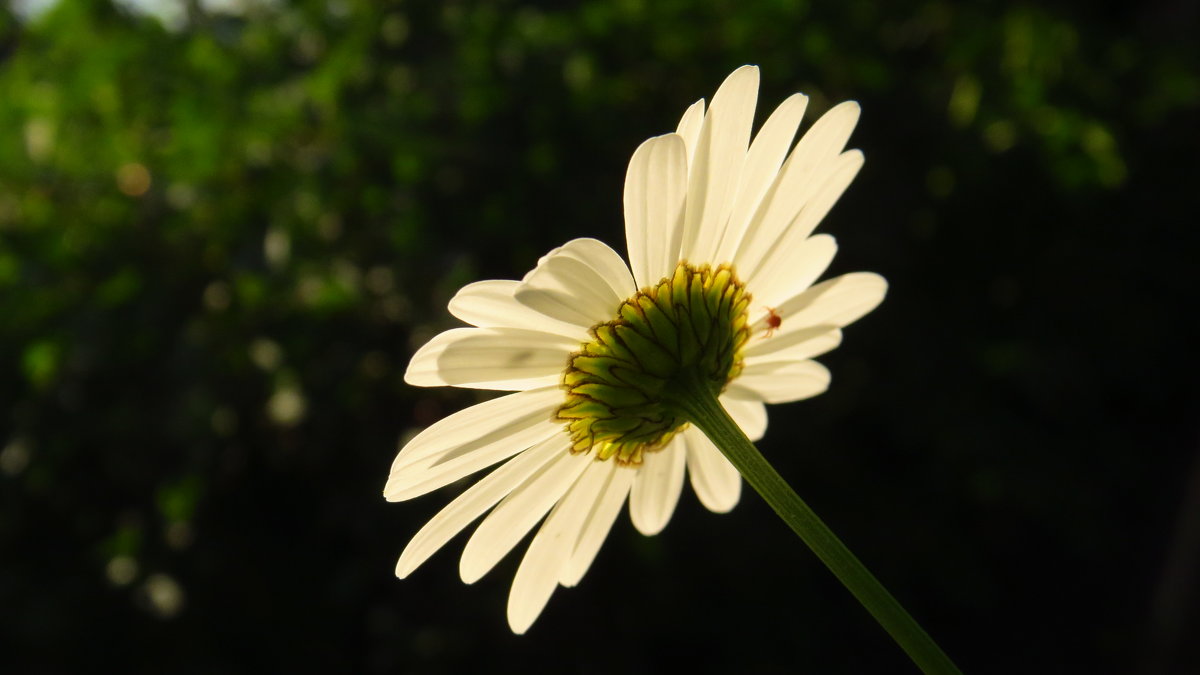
719,284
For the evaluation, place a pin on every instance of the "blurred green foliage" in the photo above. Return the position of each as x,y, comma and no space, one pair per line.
224,227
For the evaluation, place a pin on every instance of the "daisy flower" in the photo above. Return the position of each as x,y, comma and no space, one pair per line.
719,290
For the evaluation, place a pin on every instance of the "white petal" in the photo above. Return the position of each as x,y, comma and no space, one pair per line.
717,164
599,521
830,304
551,547
792,346
472,439
717,483
518,513
689,127
766,154
605,262
576,283
841,173
655,186
797,268
780,382
490,304
418,479
751,416
803,174
656,488
509,359
472,503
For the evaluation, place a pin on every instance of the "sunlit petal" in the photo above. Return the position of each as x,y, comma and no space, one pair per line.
517,513
473,503
551,548
716,165
781,381
597,525
655,187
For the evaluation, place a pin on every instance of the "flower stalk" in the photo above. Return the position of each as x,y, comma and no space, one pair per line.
694,399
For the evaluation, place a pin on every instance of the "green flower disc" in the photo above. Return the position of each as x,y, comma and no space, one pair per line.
691,325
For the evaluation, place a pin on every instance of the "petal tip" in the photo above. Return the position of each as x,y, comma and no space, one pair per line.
402,570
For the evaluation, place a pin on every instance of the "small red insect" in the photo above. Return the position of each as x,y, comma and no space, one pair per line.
774,321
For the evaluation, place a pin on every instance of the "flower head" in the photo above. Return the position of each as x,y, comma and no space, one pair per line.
718,289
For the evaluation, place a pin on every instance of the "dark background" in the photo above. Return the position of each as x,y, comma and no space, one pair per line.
224,231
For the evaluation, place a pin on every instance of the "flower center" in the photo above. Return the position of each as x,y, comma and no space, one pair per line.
692,324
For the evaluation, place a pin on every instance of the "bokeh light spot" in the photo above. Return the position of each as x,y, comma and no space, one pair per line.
164,595
133,179
121,570
287,406
15,457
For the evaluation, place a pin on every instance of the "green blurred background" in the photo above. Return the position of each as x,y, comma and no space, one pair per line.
225,226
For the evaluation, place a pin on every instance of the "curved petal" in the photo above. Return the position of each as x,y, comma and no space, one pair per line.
689,127
518,513
605,262
717,483
509,359
656,488
599,521
780,382
803,175
797,268
751,416
717,164
763,160
471,439
490,304
576,283
655,187
548,553
473,503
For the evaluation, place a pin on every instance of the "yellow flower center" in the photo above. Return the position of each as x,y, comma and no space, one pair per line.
693,323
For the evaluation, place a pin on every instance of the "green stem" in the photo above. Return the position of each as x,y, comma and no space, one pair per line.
696,401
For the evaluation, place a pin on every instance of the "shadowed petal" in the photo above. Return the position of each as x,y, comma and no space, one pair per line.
490,304
580,283
509,359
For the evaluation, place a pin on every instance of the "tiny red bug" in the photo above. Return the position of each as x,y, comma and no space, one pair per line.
774,321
